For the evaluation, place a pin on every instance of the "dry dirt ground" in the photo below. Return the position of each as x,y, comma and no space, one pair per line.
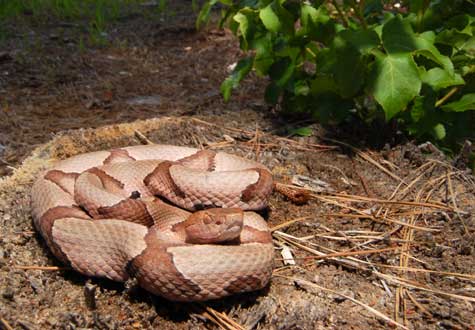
387,235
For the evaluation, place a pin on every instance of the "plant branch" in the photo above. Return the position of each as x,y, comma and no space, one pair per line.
446,97
340,13
359,13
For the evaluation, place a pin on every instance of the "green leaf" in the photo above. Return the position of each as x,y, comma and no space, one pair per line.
301,131
281,70
395,82
418,110
270,19
240,71
438,131
452,37
423,115
316,24
348,63
466,102
243,25
438,78
301,88
363,40
264,55
398,36
275,18
308,14
203,16
425,46
323,84
463,23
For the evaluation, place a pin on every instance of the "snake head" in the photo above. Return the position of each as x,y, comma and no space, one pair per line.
214,226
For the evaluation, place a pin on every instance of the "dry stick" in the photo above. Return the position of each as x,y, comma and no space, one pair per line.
378,239
397,303
303,283
142,138
454,203
287,238
418,305
320,146
446,96
354,263
41,267
405,255
288,223
347,262
406,189
257,144
364,184
250,135
414,258
435,205
456,171
220,319
360,216
368,159
349,253
384,220
5,324
223,320
356,198
419,286
404,304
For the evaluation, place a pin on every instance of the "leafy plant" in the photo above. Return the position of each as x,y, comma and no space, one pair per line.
411,63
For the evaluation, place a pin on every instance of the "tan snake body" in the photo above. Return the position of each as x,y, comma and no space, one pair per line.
98,213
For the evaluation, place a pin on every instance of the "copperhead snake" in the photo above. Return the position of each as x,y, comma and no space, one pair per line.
99,214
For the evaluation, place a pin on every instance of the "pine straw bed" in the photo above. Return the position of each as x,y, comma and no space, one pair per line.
387,239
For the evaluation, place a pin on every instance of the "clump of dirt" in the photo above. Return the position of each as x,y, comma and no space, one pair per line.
382,234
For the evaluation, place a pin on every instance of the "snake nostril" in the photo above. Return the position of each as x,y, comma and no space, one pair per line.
135,194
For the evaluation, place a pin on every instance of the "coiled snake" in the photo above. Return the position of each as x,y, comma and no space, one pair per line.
99,213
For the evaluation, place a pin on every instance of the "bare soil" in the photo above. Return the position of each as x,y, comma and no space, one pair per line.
391,233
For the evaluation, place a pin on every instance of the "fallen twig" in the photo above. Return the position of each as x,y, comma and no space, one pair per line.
54,268
142,138
288,223
221,319
369,159
5,324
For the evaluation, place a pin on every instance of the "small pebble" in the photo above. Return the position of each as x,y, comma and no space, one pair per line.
8,293
90,295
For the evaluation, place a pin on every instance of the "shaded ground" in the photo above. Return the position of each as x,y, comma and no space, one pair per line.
402,219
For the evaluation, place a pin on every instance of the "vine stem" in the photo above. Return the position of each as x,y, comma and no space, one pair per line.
340,12
359,13
446,97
